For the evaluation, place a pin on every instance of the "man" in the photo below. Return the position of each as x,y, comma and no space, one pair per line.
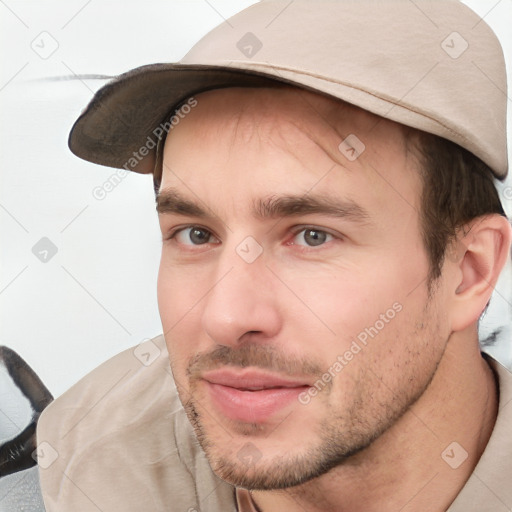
331,235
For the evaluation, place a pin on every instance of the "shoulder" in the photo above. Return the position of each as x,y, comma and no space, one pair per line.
119,439
488,488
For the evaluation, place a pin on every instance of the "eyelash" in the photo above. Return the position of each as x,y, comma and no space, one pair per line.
294,231
300,229
172,235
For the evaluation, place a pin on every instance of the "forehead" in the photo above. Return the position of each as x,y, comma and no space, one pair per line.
288,133
273,110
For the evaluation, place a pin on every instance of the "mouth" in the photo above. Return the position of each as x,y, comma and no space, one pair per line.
251,396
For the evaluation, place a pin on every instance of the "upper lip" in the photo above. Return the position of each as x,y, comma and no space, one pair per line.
250,379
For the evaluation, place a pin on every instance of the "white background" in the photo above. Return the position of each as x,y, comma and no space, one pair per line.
97,295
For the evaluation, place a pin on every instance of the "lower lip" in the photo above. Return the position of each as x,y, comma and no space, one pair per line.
252,406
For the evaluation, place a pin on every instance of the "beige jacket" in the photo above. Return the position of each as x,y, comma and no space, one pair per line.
119,440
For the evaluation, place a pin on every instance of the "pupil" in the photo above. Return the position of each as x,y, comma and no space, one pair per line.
314,237
198,236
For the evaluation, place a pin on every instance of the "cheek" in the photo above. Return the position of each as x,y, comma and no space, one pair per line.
179,290
392,355
367,315
179,303
342,302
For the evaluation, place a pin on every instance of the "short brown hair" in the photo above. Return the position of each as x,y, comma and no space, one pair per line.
457,188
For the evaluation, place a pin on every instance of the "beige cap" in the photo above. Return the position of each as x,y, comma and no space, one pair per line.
434,65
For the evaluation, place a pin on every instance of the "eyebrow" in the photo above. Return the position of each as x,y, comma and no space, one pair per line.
289,205
170,201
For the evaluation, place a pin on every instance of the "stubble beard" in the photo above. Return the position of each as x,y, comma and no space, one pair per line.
338,435
338,438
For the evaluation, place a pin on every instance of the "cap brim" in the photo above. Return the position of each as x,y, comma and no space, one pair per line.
120,126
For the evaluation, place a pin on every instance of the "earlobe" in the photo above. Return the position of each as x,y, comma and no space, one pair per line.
483,246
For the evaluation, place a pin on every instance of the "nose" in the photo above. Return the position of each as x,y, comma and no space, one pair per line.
242,304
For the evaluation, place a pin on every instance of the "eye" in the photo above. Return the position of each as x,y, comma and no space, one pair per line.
311,237
194,235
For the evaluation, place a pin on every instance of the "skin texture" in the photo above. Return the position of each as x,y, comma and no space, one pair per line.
378,425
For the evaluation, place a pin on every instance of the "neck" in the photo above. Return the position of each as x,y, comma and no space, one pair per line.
420,462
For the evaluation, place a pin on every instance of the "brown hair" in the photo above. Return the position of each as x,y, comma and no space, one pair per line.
457,188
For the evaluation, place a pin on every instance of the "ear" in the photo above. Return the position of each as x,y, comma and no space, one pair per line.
483,247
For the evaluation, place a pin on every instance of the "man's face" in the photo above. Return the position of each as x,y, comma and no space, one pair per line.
292,286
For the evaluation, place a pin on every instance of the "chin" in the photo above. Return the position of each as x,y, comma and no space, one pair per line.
254,463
